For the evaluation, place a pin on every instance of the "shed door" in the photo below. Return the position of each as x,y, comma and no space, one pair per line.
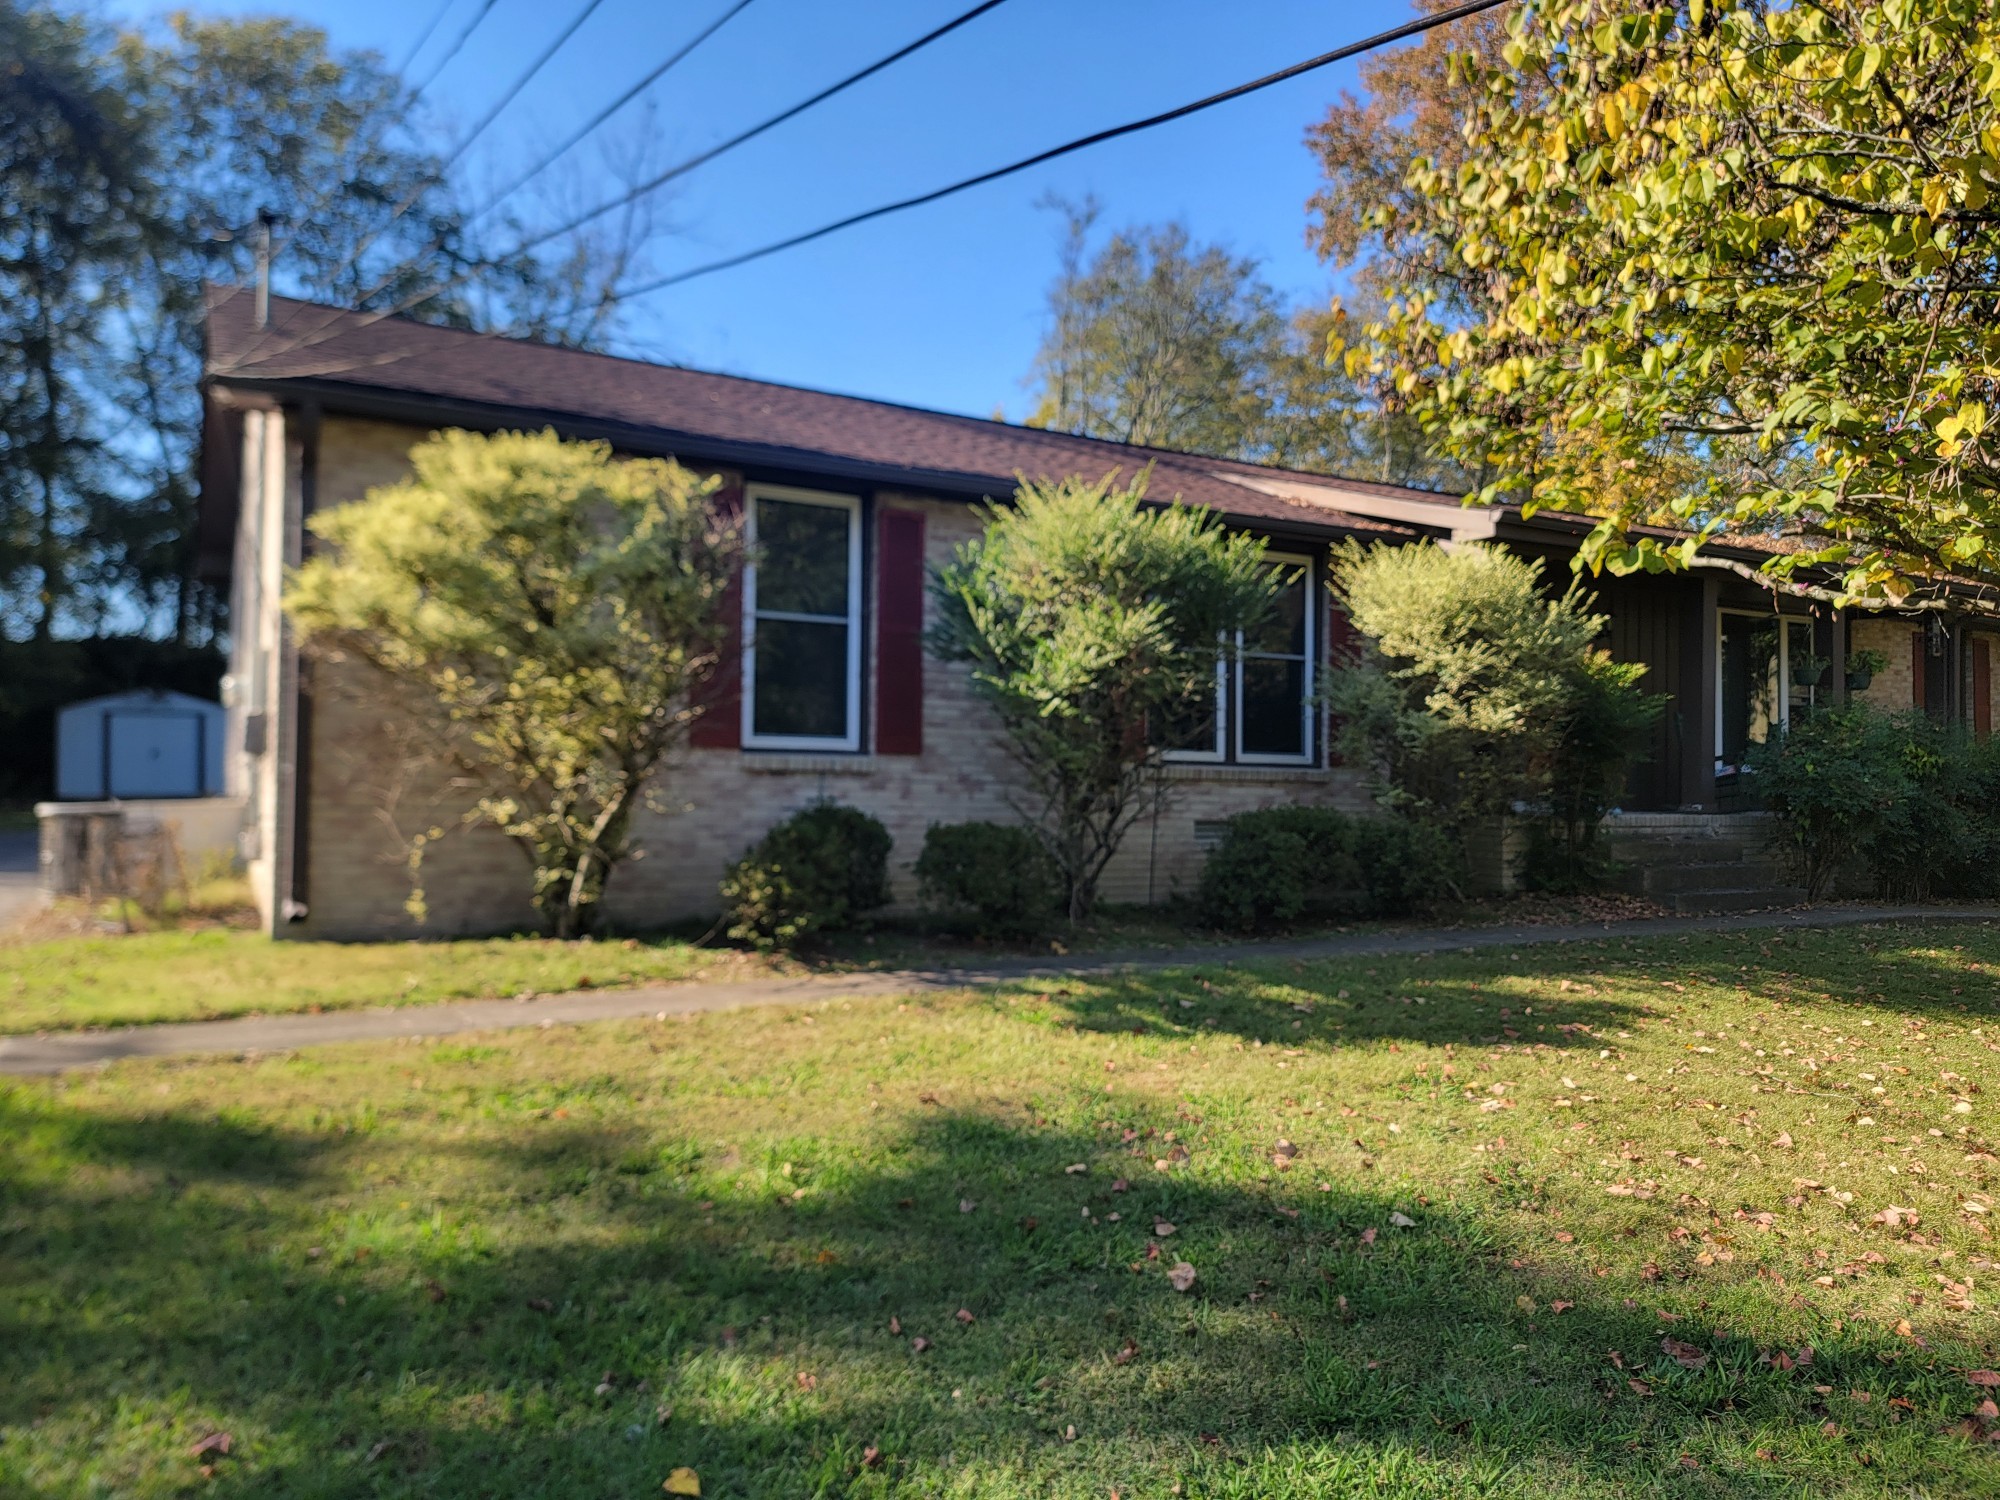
153,755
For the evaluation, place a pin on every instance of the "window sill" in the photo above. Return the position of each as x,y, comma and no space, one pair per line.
816,763
1271,775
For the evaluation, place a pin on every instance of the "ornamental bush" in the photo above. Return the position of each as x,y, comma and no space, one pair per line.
1908,803
1279,865
994,878
820,871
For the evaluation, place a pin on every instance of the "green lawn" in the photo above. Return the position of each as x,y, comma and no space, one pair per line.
1683,1218
208,971
205,974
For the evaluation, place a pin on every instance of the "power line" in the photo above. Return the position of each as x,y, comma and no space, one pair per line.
549,158
1339,54
424,184
1367,44
679,168
423,36
452,51
513,89
702,158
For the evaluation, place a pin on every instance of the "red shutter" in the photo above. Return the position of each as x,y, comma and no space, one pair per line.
720,726
1917,669
1982,688
899,634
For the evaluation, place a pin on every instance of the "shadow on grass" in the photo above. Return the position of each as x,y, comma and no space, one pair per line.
1563,995
599,1306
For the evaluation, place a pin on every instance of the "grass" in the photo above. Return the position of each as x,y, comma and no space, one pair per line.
1648,1247
195,962
208,973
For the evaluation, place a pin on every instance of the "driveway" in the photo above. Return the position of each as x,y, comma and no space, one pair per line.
20,888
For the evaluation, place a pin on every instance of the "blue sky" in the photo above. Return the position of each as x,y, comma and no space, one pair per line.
941,306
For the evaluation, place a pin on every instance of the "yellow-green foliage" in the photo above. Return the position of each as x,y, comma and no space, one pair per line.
546,614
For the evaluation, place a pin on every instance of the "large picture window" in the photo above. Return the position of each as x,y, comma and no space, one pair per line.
802,621
1262,710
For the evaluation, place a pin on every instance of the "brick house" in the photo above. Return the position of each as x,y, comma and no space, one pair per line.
840,700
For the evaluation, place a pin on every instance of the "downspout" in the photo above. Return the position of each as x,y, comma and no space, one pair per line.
295,750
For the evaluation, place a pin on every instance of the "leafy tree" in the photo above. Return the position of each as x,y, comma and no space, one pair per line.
546,616
1087,617
1735,221
1474,688
1159,342
72,206
134,167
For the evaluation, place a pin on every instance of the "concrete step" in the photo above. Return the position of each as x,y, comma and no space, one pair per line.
1704,875
1694,903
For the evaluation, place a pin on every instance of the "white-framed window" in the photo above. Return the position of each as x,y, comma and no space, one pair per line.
1262,713
802,620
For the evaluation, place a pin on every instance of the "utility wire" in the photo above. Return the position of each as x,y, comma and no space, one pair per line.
513,89
1367,44
679,168
1414,28
703,157
415,195
550,157
423,36
452,51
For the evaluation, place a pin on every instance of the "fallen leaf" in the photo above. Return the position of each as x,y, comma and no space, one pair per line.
1782,1140
1686,1355
1402,1221
966,1205
871,1457
1564,1237
808,1381
964,1315
919,1344
1120,1185
1075,1167
1894,1217
1983,1377
434,1291
1560,1306
215,1442
541,1304
683,1482
1126,1354
1368,1236
895,1324
1162,1228
1639,1386
1181,1276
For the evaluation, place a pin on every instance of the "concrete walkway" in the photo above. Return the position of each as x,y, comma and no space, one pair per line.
55,1052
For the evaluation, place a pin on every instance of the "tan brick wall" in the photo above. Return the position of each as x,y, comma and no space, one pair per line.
711,804
1891,689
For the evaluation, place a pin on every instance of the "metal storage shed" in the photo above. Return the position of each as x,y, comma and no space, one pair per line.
143,744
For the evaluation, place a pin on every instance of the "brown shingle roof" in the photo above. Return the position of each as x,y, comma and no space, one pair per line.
720,417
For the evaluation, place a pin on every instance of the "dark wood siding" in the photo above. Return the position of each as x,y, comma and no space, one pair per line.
1647,623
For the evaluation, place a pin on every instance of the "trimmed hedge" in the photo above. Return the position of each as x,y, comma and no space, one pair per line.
820,871
994,878
1281,864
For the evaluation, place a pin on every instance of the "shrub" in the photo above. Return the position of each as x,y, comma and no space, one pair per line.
1084,617
994,877
1477,691
1280,864
1908,802
820,871
1603,719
